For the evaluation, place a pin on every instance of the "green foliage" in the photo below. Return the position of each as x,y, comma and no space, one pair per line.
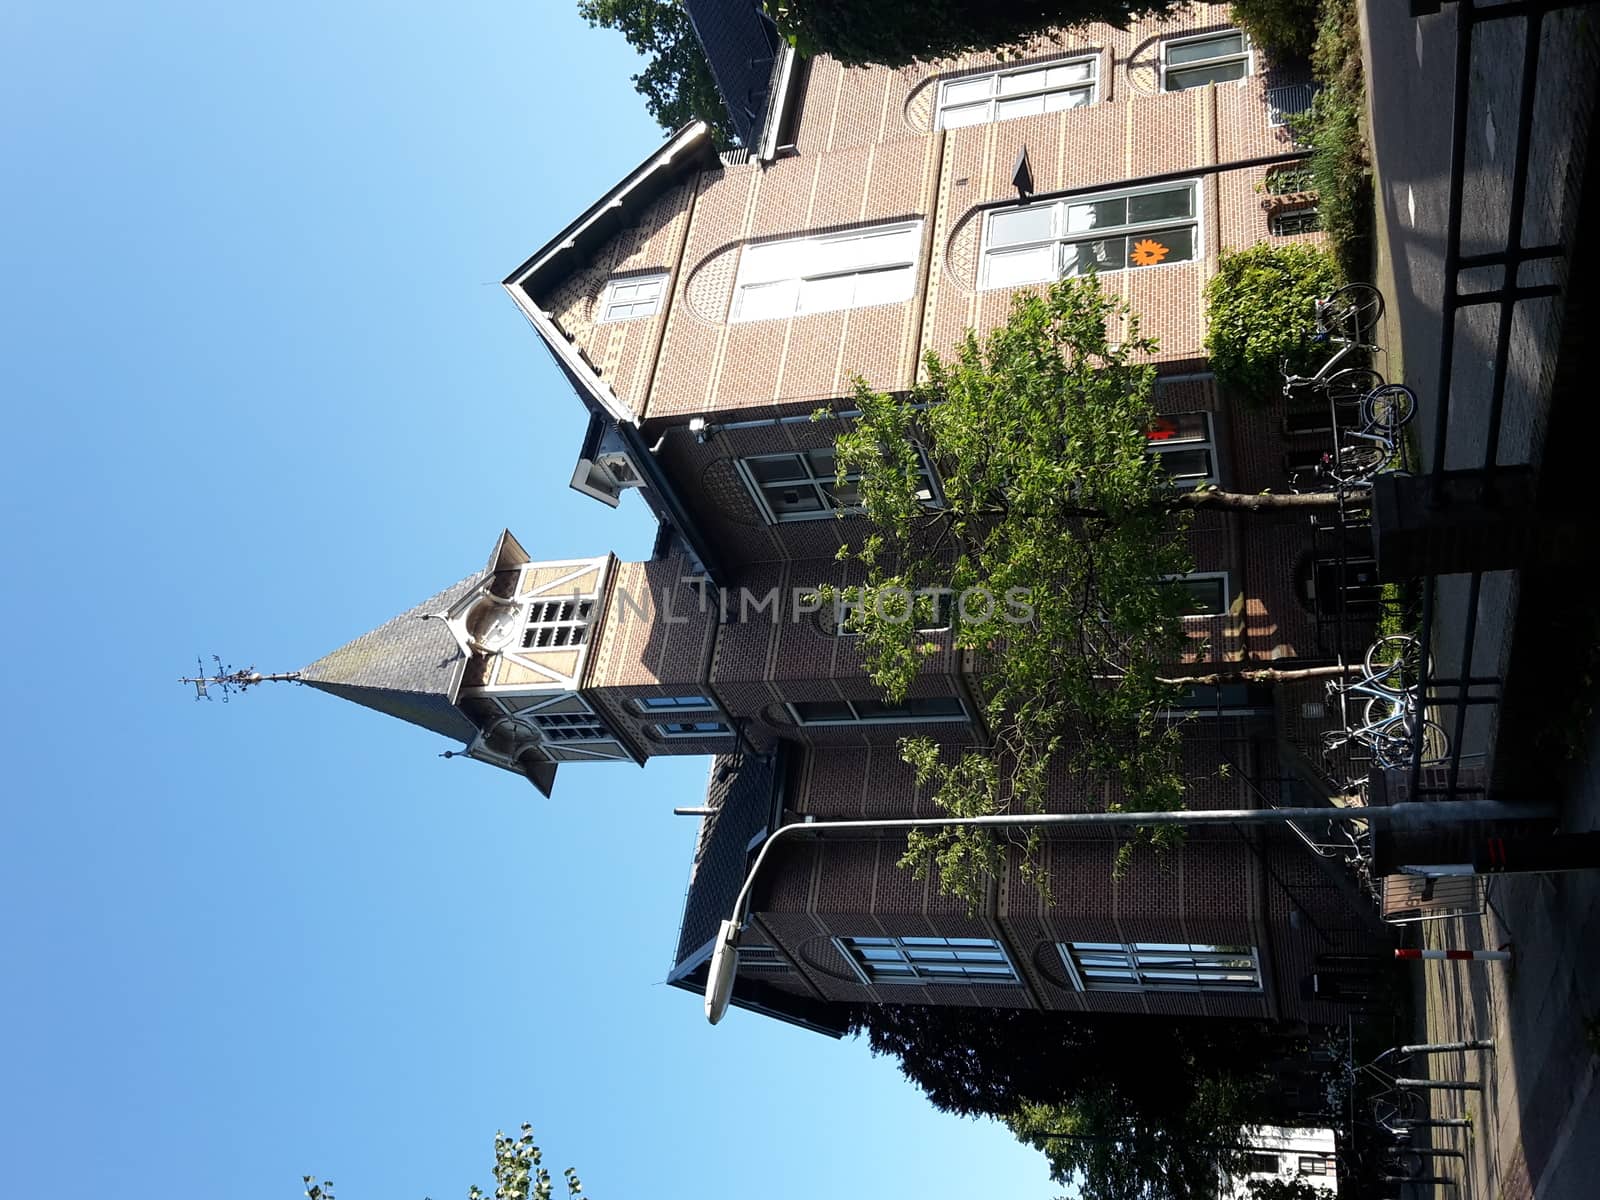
1111,1150
1260,306
518,1174
1283,28
1297,1187
1053,510
1332,129
676,83
896,33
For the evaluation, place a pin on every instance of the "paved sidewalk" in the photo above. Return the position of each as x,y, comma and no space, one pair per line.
1536,1124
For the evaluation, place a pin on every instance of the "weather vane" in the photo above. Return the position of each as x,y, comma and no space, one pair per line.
227,681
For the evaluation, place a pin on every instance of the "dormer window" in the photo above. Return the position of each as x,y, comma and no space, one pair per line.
1193,62
627,299
1023,92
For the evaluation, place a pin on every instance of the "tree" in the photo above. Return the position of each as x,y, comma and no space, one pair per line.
1128,1106
896,33
1258,306
1054,533
519,1174
676,83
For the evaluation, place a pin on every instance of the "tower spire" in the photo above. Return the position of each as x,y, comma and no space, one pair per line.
228,681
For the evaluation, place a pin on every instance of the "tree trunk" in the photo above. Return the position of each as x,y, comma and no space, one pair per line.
1262,675
1265,502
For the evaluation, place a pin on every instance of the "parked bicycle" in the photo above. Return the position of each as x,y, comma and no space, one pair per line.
1365,449
1391,718
1347,319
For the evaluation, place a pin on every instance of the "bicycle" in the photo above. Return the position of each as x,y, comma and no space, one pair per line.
1364,451
1347,319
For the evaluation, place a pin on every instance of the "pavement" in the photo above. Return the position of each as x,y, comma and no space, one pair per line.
1536,1122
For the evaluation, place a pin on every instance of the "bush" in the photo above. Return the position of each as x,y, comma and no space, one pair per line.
1259,308
1283,28
1333,131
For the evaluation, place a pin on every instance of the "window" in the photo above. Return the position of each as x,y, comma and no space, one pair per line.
625,299
1184,448
929,960
1025,92
1259,1163
877,712
824,274
556,623
1161,967
1112,231
1289,221
835,617
1210,58
650,704
691,729
570,727
1227,700
760,958
1208,592
801,486
1313,1166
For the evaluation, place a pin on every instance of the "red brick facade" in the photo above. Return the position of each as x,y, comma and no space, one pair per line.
865,153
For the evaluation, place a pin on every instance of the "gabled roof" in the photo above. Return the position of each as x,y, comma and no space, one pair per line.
742,48
408,668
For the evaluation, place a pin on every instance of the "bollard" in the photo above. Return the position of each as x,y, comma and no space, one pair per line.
1456,955
1441,1085
1437,1123
1447,1047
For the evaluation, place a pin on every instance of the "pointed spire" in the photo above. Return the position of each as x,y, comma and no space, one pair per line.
409,667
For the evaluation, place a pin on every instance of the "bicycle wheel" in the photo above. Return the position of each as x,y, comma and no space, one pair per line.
1389,407
1395,662
1357,464
1396,746
1352,312
1348,391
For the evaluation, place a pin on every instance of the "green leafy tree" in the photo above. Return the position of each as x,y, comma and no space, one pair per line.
1296,1187
1258,306
519,1174
1054,533
1283,28
1124,1106
676,83
898,32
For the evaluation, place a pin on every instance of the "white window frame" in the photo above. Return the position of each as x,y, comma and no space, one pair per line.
612,300
1247,56
1178,445
659,705
921,958
820,485
1142,960
822,258
1203,576
551,612
1061,237
700,729
834,618
591,725
857,719
996,95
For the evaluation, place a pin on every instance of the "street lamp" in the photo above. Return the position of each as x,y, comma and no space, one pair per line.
1411,814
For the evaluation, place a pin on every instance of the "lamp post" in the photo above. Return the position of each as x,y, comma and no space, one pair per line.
1409,815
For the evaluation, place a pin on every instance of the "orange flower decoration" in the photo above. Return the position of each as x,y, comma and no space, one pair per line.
1148,253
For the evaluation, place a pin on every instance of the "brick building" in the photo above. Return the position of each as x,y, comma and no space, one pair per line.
702,310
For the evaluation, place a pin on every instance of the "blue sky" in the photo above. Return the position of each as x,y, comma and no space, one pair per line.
263,392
